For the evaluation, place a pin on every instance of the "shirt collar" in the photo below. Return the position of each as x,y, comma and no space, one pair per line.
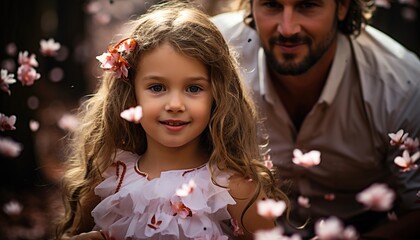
341,60
335,77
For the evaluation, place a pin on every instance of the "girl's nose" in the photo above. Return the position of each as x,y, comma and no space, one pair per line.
175,103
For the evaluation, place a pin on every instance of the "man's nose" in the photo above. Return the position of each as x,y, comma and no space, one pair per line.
288,24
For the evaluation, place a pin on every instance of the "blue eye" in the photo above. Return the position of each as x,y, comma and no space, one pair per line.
194,89
157,88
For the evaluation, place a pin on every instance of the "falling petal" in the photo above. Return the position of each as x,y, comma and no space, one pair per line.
50,47
68,122
270,208
12,208
309,159
133,114
304,202
7,123
10,148
186,189
33,125
377,197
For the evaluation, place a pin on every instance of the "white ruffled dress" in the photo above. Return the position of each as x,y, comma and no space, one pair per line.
180,204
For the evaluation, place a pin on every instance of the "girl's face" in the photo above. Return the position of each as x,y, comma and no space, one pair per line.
175,93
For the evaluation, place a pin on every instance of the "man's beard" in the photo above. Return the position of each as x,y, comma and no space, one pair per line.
288,66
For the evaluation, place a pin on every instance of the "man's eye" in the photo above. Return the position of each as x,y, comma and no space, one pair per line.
272,4
307,5
157,88
194,89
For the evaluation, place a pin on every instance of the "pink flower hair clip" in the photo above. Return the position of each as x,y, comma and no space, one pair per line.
113,59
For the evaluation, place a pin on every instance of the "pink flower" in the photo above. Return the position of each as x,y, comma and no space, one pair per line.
27,75
133,114
9,148
5,80
50,47
186,189
268,164
108,60
237,230
398,137
180,209
329,229
303,202
270,208
33,125
410,144
377,197
383,3
7,123
12,208
407,162
68,122
309,159
25,60
127,45
274,234
114,60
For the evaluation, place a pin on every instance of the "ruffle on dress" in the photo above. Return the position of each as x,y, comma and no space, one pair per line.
180,204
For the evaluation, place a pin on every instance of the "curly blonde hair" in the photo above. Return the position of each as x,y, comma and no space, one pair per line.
231,136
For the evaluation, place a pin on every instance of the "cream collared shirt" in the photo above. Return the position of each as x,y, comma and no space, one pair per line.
373,89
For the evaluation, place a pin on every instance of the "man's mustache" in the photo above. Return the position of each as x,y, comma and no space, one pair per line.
294,39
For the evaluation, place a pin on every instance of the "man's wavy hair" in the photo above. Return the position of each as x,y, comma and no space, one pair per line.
359,14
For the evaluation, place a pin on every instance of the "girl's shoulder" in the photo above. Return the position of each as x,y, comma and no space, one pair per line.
241,187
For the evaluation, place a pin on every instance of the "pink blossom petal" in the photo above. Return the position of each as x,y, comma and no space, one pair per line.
186,189
383,3
309,159
6,80
27,75
9,148
12,208
33,125
237,230
178,208
270,208
329,229
398,137
108,60
133,114
271,234
25,60
127,45
7,123
50,47
268,164
68,122
410,144
407,162
377,197
304,202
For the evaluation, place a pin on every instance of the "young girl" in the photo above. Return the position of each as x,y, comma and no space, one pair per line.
191,163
